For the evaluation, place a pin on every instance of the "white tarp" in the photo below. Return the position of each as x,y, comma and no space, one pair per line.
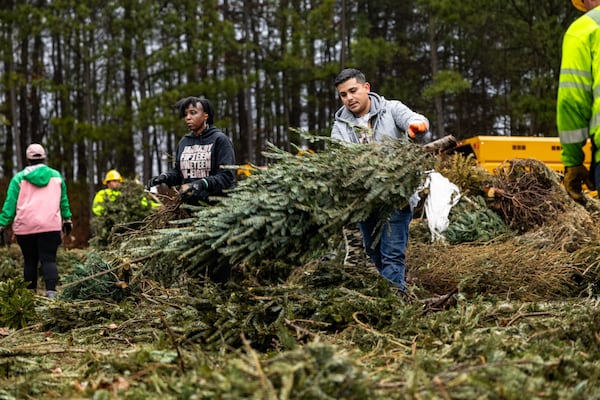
443,195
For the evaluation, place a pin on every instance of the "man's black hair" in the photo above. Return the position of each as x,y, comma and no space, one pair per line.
349,73
207,106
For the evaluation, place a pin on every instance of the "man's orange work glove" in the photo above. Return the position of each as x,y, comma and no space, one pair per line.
574,178
418,127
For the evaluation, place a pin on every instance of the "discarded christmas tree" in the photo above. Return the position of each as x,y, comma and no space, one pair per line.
294,208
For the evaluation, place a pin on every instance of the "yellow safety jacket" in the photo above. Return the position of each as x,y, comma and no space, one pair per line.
101,197
105,195
578,101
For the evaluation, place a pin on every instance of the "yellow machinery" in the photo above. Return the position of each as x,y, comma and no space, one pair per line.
491,151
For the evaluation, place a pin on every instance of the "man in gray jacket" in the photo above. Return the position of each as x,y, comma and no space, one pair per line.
367,117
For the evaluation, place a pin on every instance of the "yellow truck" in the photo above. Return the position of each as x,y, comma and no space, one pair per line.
491,151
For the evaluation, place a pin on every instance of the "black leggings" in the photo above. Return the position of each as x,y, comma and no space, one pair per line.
36,248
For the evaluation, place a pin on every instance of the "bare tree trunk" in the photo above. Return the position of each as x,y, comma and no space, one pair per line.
343,34
21,139
9,111
438,101
38,128
146,147
126,147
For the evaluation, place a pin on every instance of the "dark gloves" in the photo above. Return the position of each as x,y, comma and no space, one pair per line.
195,191
67,227
574,178
157,180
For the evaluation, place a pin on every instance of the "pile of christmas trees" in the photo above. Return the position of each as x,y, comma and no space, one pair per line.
291,210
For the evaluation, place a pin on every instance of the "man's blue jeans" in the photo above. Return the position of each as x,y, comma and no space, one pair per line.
389,253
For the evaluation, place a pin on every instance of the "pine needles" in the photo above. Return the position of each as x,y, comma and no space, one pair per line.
472,221
95,279
17,305
122,216
297,206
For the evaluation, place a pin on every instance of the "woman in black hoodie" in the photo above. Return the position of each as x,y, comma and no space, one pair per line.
200,155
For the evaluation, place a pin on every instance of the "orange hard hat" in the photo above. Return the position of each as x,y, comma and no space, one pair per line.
578,4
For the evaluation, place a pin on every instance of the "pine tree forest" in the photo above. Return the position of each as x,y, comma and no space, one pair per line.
95,81
398,269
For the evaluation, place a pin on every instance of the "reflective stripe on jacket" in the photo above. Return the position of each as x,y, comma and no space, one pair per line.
102,196
578,102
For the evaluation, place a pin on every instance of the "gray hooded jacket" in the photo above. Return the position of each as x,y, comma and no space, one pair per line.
388,118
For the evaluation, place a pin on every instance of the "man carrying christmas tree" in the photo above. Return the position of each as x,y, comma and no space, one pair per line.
364,118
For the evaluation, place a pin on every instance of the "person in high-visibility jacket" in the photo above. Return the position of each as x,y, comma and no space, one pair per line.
578,103
113,181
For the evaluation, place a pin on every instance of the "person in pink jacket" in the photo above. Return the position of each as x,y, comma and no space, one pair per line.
38,208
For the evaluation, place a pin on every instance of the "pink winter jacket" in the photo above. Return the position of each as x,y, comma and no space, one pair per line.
36,201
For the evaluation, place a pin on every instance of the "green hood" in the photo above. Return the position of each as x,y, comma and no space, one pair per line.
38,175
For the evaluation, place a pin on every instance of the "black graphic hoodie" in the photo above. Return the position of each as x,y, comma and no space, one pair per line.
201,157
